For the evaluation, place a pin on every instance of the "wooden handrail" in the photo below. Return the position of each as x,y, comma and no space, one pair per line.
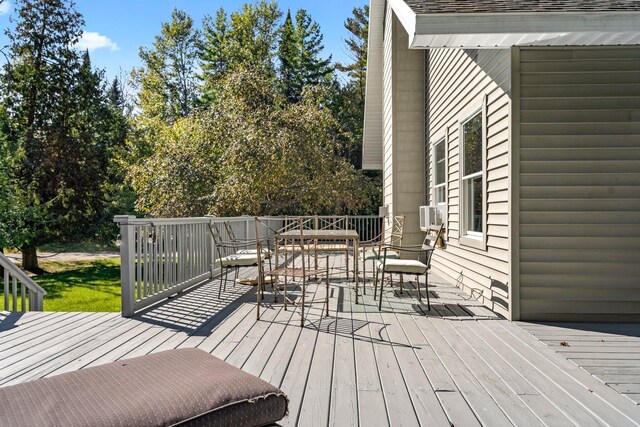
29,289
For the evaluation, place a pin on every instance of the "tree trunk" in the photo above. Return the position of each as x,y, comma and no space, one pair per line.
30,258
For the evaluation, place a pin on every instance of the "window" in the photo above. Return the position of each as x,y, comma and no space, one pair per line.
472,177
439,174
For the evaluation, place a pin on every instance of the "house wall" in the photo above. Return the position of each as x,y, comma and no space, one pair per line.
461,82
403,132
579,184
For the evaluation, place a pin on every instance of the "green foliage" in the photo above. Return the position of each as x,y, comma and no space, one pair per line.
246,38
348,103
299,51
167,83
250,152
59,133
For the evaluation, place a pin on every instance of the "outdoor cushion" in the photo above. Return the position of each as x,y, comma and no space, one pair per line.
368,255
408,266
239,260
266,253
186,387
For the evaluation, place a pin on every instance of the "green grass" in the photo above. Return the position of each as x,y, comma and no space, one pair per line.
81,285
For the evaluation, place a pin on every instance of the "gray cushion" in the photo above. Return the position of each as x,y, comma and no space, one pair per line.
239,260
408,266
175,387
369,255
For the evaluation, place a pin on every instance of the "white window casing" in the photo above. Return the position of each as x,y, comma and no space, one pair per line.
473,197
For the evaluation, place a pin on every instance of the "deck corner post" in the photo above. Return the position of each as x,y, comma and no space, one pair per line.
127,263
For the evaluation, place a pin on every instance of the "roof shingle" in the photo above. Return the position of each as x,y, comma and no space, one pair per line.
502,6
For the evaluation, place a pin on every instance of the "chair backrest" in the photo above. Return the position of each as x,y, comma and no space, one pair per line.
331,222
397,230
429,244
232,236
217,240
297,223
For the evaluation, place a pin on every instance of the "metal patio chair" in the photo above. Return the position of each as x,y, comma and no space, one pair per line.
409,266
372,250
234,260
291,270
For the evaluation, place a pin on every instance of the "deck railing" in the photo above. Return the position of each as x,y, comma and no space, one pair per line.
19,288
162,257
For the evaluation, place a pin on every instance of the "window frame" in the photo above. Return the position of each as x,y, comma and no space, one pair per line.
435,186
473,238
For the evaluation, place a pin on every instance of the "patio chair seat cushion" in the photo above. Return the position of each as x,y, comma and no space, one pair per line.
266,253
331,247
239,260
369,255
188,387
408,266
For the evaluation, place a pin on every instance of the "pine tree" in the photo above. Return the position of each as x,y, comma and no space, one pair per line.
312,68
57,140
357,45
289,58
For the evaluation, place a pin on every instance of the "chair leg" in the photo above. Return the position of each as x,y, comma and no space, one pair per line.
258,303
327,295
364,275
401,280
235,277
375,280
346,257
426,287
381,286
220,287
304,288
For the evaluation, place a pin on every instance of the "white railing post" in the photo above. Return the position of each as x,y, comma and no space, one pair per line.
211,255
127,267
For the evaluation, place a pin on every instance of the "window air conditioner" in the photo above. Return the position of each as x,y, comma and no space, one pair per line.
431,216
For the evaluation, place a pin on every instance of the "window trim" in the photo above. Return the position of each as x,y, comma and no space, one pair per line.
473,238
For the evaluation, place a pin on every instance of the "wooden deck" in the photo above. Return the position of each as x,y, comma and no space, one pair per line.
608,351
456,365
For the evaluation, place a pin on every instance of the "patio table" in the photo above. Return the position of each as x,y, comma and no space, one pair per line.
337,235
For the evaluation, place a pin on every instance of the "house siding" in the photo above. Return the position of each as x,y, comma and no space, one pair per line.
403,118
461,82
579,184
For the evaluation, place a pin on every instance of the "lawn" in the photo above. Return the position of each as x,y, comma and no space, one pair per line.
81,285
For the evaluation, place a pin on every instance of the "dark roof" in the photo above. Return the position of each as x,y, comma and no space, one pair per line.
501,6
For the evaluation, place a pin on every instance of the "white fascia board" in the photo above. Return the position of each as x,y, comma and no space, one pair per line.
406,16
504,30
530,22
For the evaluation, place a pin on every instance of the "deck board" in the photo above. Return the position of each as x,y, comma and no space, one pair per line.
456,364
602,350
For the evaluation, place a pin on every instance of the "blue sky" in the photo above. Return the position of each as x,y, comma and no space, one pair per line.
117,28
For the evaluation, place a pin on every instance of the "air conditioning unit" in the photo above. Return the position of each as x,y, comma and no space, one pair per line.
431,216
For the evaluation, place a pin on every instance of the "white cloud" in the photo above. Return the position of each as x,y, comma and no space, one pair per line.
5,7
92,41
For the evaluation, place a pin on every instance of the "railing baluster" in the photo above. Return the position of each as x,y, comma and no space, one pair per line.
6,289
15,293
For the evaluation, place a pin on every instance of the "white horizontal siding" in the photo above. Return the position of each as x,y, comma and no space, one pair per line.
580,184
459,80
